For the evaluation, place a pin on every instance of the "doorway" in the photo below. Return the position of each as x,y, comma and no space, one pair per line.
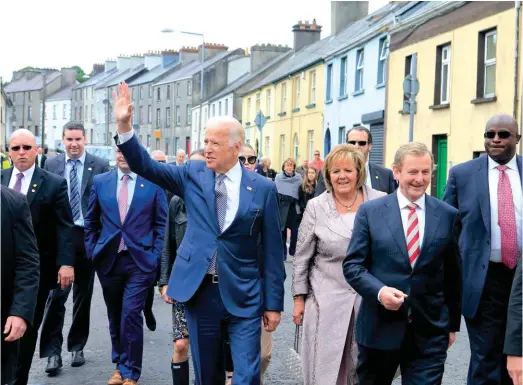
439,177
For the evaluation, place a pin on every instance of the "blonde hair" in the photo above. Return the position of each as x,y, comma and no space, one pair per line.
307,185
414,148
345,152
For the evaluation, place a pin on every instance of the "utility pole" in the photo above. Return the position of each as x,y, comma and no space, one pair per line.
201,93
44,97
410,90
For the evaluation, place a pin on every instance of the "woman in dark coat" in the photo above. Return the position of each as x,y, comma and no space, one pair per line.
307,189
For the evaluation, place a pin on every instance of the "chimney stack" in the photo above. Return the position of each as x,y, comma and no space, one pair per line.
97,68
169,56
344,13
261,54
212,49
109,65
305,34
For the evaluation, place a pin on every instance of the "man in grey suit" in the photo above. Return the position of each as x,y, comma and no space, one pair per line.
378,177
78,167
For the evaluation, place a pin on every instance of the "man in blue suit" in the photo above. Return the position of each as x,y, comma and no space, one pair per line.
487,193
217,272
403,261
124,230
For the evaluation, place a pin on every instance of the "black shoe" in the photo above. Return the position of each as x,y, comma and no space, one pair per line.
78,359
54,363
150,321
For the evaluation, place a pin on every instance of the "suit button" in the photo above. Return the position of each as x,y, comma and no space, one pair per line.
488,242
483,267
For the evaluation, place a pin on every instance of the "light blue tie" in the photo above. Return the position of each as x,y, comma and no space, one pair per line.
220,200
74,190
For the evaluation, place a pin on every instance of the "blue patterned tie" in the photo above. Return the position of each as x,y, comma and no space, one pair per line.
74,190
220,200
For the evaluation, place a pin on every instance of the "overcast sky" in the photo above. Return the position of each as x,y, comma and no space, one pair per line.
60,33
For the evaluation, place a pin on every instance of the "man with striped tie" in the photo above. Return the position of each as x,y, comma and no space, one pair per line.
78,167
403,261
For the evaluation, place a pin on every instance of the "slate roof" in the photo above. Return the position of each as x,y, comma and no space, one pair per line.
320,50
65,93
154,74
33,84
120,76
102,76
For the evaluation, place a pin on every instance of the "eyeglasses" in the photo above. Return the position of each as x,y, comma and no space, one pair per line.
316,154
26,147
360,143
501,134
251,159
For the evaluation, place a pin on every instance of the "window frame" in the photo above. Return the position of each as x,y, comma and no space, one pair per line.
489,62
343,76
360,65
445,63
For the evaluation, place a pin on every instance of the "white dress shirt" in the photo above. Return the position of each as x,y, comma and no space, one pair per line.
515,184
232,184
26,180
79,176
368,182
403,202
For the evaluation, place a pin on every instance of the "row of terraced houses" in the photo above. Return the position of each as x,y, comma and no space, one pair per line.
310,94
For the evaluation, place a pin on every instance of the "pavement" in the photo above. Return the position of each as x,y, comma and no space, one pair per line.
158,350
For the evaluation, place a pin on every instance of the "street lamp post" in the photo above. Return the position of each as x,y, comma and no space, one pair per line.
169,30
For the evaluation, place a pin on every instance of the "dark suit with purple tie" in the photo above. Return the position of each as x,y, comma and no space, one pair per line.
127,268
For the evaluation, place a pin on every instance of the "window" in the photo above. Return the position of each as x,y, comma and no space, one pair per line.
158,93
297,92
189,88
80,115
189,114
149,114
312,99
141,93
168,117
87,112
30,96
54,113
141,115
168,92
282,148
408,71
358,85
13,97
310,141
177,90
92,111
343,76
267,146
341,135
178,119
150,92
258,104
268,109
64,112
132,93
220,108
283,96
382,61
328,96
248,116
214,109
486,84
296,147
442,79
158,117
227,107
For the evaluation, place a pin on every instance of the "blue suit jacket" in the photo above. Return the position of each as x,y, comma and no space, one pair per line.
468,190
243,292
143,228
377,256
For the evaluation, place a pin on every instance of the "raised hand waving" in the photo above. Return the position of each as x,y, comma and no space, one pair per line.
123,109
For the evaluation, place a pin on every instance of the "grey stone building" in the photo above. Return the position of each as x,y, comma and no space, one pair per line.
26,92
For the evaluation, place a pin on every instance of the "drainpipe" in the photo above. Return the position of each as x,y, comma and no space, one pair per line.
516,60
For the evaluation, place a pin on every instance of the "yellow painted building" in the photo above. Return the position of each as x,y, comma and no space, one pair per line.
294,107
465,66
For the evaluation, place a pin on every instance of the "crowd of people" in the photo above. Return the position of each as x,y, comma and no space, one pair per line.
382,272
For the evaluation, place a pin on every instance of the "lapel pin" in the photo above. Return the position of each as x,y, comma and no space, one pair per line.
249,188
34,186
141,185
33,190
90,169
376,177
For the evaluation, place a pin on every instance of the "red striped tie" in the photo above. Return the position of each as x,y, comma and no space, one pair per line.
413,242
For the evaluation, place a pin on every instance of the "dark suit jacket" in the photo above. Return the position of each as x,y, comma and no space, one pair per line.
93,166
513,332
42,161
143,228
20,258
468,190
174,233
52,222
377,256
242,290
381,179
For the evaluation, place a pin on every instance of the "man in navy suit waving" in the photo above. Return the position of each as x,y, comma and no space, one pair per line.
216,272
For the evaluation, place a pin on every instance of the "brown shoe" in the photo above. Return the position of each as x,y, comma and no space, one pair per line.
115,379
128,381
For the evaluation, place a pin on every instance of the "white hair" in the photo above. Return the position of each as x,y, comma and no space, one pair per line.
180,151
236,131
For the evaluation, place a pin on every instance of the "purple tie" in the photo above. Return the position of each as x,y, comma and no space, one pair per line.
507,220
18,185
122,205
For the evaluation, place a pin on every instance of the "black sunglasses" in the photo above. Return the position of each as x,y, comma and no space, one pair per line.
358,142
26,147
501,134
251,159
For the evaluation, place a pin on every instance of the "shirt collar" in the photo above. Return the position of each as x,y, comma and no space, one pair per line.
28,174
404,202
512,164
121,174
235,173
81,159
